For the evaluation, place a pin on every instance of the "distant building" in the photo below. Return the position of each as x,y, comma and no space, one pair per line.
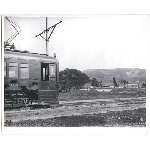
132,85
104,90
87,86
121,86
107,85
112,86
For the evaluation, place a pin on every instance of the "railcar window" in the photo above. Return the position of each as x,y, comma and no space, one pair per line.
13,70
44,73
52,70
48,72
4,69
24,70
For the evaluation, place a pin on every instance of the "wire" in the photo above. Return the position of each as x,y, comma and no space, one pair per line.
14,25
52,27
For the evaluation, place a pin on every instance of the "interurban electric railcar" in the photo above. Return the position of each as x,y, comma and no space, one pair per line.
30,78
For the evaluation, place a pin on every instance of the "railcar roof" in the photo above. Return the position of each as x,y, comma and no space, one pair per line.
28,55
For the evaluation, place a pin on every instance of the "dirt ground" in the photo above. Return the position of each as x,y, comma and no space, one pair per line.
83,112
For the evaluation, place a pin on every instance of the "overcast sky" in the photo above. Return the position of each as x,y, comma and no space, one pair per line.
87,42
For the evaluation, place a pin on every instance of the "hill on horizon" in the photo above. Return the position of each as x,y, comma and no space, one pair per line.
106,75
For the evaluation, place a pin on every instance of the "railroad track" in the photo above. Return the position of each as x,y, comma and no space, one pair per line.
118,101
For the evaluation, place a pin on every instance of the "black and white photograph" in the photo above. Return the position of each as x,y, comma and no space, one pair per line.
75,71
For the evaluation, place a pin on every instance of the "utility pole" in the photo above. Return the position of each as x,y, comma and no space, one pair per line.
47,30
46,38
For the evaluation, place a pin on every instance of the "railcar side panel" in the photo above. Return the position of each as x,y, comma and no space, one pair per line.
35,69
31,76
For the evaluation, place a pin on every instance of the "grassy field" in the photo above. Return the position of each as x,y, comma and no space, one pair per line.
93,94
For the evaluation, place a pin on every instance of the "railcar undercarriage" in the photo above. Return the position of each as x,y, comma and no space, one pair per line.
17,99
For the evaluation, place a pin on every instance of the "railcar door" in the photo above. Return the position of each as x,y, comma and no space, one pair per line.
48,88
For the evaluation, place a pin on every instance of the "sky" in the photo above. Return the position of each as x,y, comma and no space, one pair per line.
86,42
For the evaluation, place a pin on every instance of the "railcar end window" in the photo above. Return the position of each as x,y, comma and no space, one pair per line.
13,70
44,72
24,70
52,70
4,69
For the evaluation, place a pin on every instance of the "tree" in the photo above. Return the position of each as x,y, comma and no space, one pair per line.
115,83
94,82
100,83
124,82
143,85
72,78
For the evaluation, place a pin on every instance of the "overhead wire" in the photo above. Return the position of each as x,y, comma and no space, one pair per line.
52,27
